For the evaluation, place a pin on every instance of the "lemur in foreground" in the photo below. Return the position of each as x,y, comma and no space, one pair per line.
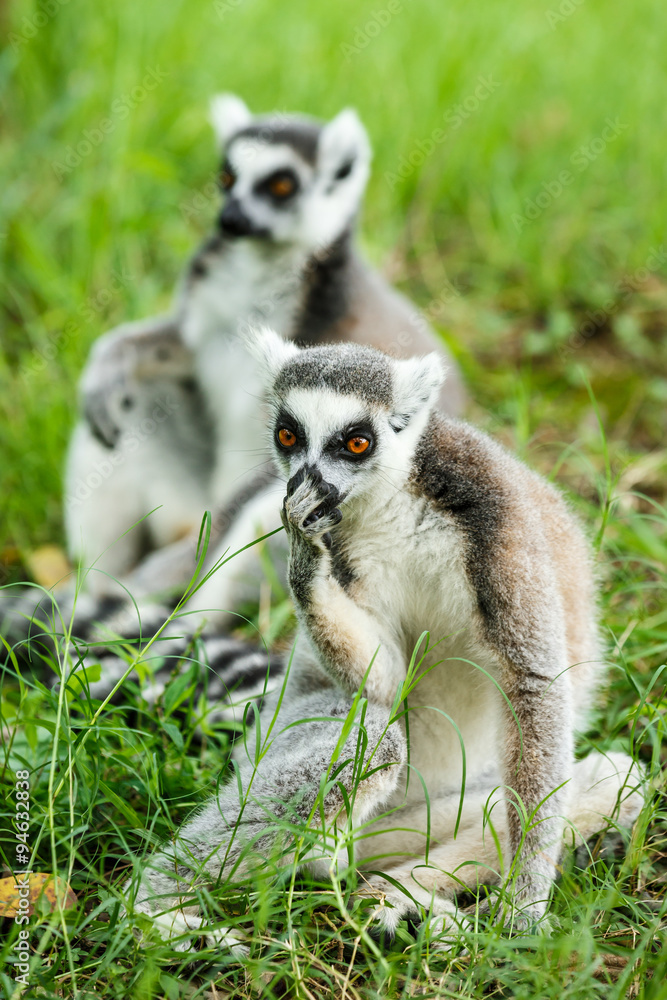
401,522
170,404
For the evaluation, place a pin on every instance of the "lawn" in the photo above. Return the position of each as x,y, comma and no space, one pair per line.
519,196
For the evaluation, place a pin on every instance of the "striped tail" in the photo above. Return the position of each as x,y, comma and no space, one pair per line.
108,636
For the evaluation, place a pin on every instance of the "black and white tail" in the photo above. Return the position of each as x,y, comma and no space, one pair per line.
107,636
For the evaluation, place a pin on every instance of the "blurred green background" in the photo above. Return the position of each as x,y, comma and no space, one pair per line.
476,230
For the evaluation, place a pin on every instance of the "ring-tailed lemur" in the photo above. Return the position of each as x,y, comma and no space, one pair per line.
171,417
399,523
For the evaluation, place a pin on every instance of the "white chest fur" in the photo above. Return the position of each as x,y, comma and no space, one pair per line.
245,285
411,576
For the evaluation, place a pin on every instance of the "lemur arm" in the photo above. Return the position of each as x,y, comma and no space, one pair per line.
120,360
538,767
346,638
524,623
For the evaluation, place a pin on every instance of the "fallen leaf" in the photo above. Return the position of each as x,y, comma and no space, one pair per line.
41,895
48,565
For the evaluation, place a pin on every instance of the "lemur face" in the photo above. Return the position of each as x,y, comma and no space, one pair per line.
339,436
288,179
348,412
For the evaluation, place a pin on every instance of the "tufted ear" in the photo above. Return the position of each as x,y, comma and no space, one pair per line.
343,146
228,114
416,385
270,351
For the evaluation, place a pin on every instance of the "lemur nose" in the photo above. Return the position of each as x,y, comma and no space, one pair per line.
233,221
307,471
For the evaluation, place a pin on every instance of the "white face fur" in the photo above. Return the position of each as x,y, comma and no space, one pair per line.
273,192
358,444
341,436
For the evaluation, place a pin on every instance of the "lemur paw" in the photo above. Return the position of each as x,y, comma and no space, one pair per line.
228,939
310,508
517,916
442,926
525,905
185,931
443,930
527,920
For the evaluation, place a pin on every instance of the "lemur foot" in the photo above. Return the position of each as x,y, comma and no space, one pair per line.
527,920
525,908
443,924
174,927
517,918
228,939
310,508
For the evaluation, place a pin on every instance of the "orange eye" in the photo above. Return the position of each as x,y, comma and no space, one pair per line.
286,437
281,187
227,179
357,445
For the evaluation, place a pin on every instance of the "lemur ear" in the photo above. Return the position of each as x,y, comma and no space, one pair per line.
270,350
343,145
416,385
228,114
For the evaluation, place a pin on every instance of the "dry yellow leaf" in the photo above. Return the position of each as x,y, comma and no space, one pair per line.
48,565
20,895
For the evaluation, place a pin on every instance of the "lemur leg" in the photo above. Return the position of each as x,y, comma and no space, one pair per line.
236,580
248,515
168,568
539,760
249,821
101,503
346,637
604,788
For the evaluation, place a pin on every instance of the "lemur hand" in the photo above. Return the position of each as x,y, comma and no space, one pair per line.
310,508
309,513
108,389
120,364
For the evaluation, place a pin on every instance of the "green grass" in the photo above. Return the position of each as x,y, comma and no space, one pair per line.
546,314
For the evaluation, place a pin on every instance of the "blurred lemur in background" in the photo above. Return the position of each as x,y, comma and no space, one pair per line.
400,521
171,414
